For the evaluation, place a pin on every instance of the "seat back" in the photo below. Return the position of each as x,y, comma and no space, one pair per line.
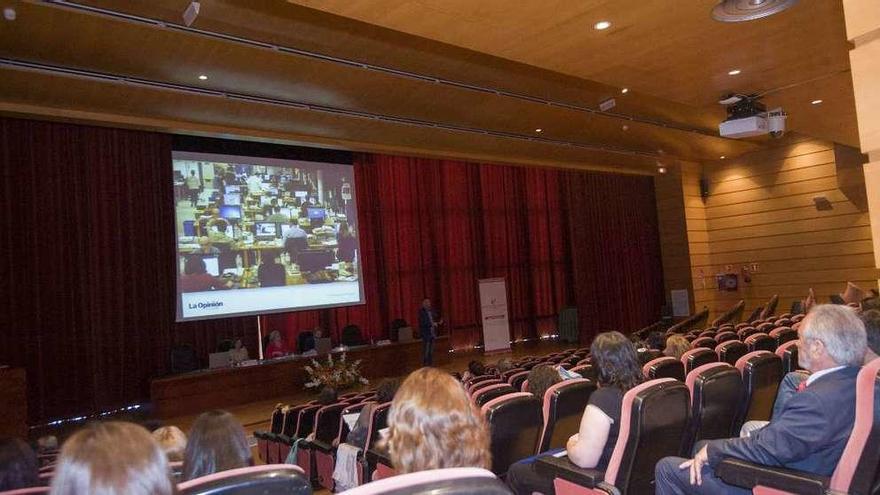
653,420
788,353
450,481
267,479
765,327
730,351
477,386
486,394
744,333
516,380
695,358
563,407
306,421
328,421
725,335
378,421
761,373
477,379
705,342
664,367
648,355
587,371
858,470
515,421
783,335
716,390
760,342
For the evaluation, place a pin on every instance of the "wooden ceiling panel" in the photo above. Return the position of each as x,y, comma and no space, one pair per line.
53,96
657,47
178,57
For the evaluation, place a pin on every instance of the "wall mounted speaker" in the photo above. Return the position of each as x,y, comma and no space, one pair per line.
822,203
704,187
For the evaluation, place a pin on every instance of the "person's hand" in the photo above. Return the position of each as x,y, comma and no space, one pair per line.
696,465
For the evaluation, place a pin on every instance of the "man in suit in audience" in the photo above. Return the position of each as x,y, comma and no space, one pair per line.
811,431
428,324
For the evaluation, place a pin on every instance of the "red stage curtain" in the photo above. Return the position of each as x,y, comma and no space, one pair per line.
89,248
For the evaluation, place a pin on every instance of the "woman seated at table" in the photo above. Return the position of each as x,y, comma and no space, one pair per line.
276,348
614,356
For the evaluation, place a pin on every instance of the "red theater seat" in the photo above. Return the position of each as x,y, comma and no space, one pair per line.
653,420
563,407
730,351
452,481
761,373
270,479
857,472
788,353
515,421
716,391
760,342
664,367
695,358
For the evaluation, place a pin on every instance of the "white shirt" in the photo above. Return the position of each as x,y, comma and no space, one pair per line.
824,372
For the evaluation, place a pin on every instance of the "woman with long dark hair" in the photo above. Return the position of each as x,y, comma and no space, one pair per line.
615,359
217,442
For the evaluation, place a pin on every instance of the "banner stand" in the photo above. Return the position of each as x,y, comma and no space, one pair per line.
493,305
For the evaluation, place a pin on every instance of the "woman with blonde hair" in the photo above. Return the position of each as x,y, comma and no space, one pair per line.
432,424
676,345
112,458
172,441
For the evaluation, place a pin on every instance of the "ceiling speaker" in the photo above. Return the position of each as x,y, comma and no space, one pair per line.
822,203
749,10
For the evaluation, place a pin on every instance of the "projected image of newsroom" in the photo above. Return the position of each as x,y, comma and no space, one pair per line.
258,235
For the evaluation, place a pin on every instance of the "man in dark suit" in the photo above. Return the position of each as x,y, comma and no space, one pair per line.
811,431
428,324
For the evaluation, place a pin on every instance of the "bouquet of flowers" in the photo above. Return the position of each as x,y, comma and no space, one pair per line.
334,374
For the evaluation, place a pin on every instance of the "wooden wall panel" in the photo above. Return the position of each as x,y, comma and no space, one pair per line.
760,212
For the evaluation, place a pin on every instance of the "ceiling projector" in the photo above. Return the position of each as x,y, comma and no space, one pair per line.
748,117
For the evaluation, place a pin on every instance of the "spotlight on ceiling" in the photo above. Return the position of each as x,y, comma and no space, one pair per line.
816,102
624,90
602,25
9,14
191,12
539,130
661,170
734,72
203,77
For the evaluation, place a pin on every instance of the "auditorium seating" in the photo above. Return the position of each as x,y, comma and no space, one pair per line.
695,358
279,445
857,472
476,386
27,491
263,437
745,332
761,373
270,479
730,351
320,451
516,380
716,392
706,342
563,407
515,421
586,371
664,367
486,394
724,336
378,421
760,342
788,353
783,335
452,481
653,421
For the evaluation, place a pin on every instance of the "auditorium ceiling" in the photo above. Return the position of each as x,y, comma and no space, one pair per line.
448,78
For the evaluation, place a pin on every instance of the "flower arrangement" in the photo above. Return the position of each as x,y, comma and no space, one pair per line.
334,374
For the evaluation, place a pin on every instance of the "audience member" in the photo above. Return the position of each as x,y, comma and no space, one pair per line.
432,424
616,362
656,341
810,432
504,365
676,345
327,396
541,378
475,368
217,442
172,441
112,458
384,393
18,465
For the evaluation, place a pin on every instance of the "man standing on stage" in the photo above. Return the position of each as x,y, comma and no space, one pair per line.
428,329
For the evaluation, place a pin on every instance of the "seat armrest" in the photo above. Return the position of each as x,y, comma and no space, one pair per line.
375,457
324,447
562,467
748,475
285,439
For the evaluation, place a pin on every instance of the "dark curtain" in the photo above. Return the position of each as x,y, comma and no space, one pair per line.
89,248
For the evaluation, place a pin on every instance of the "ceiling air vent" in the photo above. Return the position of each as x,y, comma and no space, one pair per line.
749,10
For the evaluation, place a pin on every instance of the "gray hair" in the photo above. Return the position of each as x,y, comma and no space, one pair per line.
840,329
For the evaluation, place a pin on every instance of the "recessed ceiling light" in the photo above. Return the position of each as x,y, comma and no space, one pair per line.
602,25
816,102
734,72
9,14
661,170
624,90
723,157
203,77
539,130
624,127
